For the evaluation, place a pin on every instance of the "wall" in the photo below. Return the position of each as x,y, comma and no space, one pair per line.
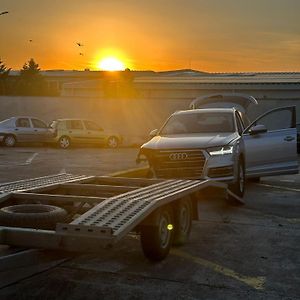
134,118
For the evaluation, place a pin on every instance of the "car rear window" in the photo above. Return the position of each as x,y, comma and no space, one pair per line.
199,123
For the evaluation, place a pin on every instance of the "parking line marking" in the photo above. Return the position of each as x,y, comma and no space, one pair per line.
254,282
279,187
31,158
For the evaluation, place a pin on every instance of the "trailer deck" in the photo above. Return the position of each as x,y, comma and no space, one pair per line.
101,209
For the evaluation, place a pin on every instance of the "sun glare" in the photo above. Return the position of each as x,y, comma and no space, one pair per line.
111,64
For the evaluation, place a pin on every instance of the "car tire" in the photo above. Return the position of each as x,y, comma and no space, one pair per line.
238,188
157,238
112,142
32,216
10,140
64,142
182,221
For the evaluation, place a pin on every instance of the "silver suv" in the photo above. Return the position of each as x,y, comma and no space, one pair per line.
221,143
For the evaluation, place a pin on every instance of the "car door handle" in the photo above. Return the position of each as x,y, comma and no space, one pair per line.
16,129
35,130
289,138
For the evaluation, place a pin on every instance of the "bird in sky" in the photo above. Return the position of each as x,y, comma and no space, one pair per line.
79,44
4,12
30,41
81,54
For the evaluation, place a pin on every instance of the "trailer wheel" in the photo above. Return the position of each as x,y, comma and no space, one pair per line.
32,216
182,221
157,238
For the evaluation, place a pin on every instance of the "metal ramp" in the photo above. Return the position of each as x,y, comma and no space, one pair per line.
101,209
27,184
116,216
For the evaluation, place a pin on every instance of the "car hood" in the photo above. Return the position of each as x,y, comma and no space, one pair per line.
184,141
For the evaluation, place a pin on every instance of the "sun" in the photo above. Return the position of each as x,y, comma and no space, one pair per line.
111,64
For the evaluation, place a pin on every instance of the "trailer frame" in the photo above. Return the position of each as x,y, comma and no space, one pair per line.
102,210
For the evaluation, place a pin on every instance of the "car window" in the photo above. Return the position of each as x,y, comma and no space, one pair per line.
23,122
38,123
276,120
89,125
74,124
199,123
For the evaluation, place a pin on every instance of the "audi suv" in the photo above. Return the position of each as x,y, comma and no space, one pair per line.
221,144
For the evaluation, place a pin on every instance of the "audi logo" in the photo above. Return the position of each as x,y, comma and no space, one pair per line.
178,156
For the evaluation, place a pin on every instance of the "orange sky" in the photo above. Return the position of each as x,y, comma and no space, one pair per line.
208,35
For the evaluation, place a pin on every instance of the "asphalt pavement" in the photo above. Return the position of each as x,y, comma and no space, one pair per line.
249,251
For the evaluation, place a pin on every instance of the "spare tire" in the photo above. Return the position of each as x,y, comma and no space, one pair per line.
38,216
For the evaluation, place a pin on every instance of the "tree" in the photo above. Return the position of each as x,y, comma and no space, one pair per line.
4,72
31,82
30,70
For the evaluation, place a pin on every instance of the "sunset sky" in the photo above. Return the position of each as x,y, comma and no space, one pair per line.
208,35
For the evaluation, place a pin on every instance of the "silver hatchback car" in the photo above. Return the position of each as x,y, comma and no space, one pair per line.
24,129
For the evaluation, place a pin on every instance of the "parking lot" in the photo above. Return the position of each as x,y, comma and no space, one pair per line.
249,251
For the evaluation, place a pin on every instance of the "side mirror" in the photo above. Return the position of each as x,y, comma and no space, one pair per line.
153,133
257,129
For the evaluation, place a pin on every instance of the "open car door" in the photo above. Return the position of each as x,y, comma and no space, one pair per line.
271,144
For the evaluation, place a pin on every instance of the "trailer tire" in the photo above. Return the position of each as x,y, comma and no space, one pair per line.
32,216
182,221
157,238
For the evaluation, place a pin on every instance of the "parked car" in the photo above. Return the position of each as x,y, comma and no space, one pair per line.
23,129
72,131
222,144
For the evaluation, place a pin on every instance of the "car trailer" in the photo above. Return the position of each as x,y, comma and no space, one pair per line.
83,213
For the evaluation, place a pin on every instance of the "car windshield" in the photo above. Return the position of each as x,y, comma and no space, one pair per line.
202,122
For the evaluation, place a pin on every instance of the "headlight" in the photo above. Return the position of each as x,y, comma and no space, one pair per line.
223,150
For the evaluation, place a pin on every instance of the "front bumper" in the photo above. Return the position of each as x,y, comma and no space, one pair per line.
196,166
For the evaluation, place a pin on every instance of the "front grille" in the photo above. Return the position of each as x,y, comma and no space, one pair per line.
179,163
